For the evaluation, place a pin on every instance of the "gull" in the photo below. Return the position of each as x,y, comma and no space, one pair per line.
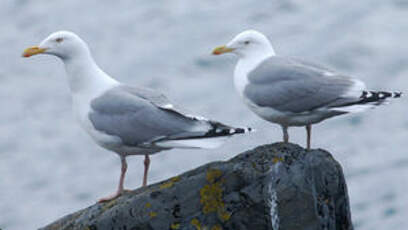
127,120
293,92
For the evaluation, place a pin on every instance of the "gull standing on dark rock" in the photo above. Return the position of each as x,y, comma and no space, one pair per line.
293,92
124,119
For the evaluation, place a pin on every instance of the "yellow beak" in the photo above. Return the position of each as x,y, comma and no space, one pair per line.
222,49
34,50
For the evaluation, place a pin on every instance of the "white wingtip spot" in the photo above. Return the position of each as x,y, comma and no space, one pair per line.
197,117
168,106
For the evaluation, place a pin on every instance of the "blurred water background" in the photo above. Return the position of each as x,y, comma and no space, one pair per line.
49,167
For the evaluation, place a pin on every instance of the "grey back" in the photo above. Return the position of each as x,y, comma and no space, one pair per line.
292,85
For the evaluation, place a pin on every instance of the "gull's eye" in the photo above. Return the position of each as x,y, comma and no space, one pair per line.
246,42
59,40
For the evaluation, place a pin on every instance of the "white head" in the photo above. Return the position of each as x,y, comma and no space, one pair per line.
247,44
63,44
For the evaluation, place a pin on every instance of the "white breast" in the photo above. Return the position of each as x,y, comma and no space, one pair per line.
241,76
81,106
247,64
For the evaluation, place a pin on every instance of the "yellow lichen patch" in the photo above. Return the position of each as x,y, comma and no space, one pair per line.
196,224
175,226
216,227
148,205
211,197
277,159
152,214
108,205
170,182
213,175
224,215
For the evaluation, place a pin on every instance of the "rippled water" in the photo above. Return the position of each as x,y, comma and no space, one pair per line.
49,167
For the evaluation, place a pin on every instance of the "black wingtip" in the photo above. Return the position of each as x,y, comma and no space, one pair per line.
397,94
377,96
243,130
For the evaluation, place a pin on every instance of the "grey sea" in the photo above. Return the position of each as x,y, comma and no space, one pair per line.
49,167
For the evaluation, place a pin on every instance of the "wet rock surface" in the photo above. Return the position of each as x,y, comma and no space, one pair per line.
278,186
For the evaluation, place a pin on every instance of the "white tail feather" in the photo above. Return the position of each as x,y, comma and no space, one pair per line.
203,143
353,108
356,89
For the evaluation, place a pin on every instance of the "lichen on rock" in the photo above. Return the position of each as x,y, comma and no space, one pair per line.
278,186
169,183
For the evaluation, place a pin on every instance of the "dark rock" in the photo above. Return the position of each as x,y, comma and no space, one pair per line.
278,186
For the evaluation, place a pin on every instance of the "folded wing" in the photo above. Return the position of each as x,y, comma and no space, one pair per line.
143,117
291,85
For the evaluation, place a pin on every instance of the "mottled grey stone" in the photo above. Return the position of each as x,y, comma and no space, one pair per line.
278,186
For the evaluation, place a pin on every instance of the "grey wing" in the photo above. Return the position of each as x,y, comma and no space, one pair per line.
136,120
156,98
289,85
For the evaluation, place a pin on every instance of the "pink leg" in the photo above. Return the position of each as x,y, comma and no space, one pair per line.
309,135
285,134
146,170
119,191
